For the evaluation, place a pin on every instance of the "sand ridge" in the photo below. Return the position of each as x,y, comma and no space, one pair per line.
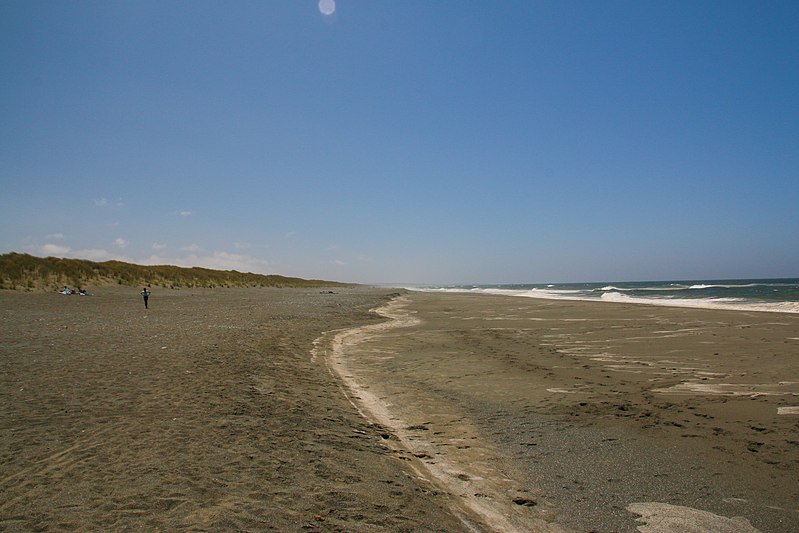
465,471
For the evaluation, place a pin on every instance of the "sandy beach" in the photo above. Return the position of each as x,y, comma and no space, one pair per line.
592,416
205,412
299,410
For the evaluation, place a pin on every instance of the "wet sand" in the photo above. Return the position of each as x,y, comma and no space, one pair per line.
590,416
289,410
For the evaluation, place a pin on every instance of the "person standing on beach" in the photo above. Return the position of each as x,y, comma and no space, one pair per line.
146,295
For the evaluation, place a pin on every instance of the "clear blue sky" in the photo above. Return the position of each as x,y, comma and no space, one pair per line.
407,141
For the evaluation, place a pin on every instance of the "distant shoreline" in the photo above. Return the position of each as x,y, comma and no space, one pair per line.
775,296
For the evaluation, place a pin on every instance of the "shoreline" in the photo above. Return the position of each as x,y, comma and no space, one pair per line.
493,500
716,304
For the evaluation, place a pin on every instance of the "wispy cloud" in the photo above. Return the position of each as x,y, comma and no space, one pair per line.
92,254
101,202
289,235
58,236
219,260
47,249
227,261
99,254
242,245
184,213
339,262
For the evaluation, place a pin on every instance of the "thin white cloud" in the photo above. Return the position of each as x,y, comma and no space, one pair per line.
289,235
119,242
242,245
91,254
99,254
218,260
158,246
227,261
184,213
101,202
58,236
339,262
47,249
191,248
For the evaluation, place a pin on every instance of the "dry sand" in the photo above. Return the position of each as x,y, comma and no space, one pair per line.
290,409
205,412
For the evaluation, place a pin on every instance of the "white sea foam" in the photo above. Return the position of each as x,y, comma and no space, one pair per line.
659,289
731,304
535,293
739,286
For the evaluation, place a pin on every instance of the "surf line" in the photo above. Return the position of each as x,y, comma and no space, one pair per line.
487,498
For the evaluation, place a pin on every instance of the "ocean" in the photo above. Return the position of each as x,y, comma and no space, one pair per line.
776,295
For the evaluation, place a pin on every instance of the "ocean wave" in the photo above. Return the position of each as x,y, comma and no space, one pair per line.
672,287
535,293
731,304
618,297
740,286
688,286
530,293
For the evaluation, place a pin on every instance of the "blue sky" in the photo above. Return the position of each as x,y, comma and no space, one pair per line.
405,142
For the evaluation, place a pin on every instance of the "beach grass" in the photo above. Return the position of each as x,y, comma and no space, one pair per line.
27,272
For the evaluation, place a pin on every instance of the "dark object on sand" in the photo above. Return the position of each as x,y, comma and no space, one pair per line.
146,295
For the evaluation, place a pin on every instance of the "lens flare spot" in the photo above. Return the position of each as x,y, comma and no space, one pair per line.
327,7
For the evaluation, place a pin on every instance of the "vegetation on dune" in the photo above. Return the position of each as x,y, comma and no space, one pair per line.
27,272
